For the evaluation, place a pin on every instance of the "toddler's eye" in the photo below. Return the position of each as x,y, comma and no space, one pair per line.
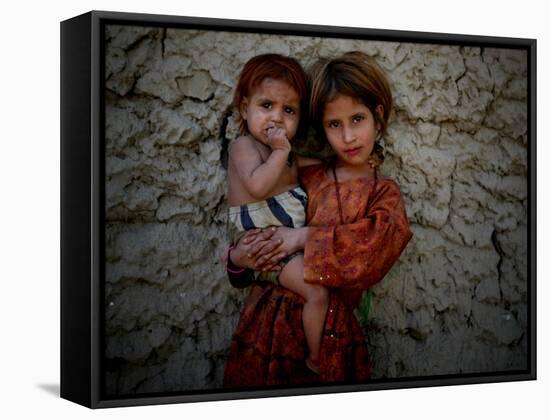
266,105
290,110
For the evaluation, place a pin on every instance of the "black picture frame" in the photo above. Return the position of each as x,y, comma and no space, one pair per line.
83,201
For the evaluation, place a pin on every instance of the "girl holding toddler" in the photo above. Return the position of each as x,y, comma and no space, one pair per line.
356,224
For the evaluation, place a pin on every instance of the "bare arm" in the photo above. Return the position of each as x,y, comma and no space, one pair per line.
257,177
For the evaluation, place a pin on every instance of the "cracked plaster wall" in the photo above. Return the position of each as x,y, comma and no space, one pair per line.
457,144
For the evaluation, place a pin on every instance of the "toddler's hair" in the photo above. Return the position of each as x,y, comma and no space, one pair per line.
272,66
353,74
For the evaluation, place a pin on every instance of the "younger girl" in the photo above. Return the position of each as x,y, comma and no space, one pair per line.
263,178
356,229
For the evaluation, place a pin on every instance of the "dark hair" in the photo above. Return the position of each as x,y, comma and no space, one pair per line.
353,74
272,66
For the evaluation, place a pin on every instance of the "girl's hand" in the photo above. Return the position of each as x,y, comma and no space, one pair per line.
277,139
254,244
290,240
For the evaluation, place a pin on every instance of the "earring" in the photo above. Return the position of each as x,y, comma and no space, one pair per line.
377,155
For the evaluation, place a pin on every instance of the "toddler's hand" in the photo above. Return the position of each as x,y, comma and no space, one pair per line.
277,139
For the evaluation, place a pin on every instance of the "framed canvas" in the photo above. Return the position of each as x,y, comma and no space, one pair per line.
148,314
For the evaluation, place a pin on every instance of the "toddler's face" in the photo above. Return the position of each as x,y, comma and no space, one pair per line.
273,103
350,128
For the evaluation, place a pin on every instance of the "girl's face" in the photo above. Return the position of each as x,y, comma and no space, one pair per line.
273,103
350,128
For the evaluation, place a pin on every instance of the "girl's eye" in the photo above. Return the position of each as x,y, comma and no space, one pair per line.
358,118
266,105
332,124
289,110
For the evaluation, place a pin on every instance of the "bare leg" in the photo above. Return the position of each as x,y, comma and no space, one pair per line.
315,307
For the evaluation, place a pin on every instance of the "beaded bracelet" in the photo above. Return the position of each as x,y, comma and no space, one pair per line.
227,261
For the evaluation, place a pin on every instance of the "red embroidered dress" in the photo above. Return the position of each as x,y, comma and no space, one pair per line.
269,346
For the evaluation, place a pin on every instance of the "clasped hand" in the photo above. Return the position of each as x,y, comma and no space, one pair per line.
263,249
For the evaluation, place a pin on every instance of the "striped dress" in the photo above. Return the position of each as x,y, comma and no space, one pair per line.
285,209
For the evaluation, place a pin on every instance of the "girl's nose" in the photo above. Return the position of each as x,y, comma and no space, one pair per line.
348,135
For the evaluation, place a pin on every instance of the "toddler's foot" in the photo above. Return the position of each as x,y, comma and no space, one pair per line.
313,365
